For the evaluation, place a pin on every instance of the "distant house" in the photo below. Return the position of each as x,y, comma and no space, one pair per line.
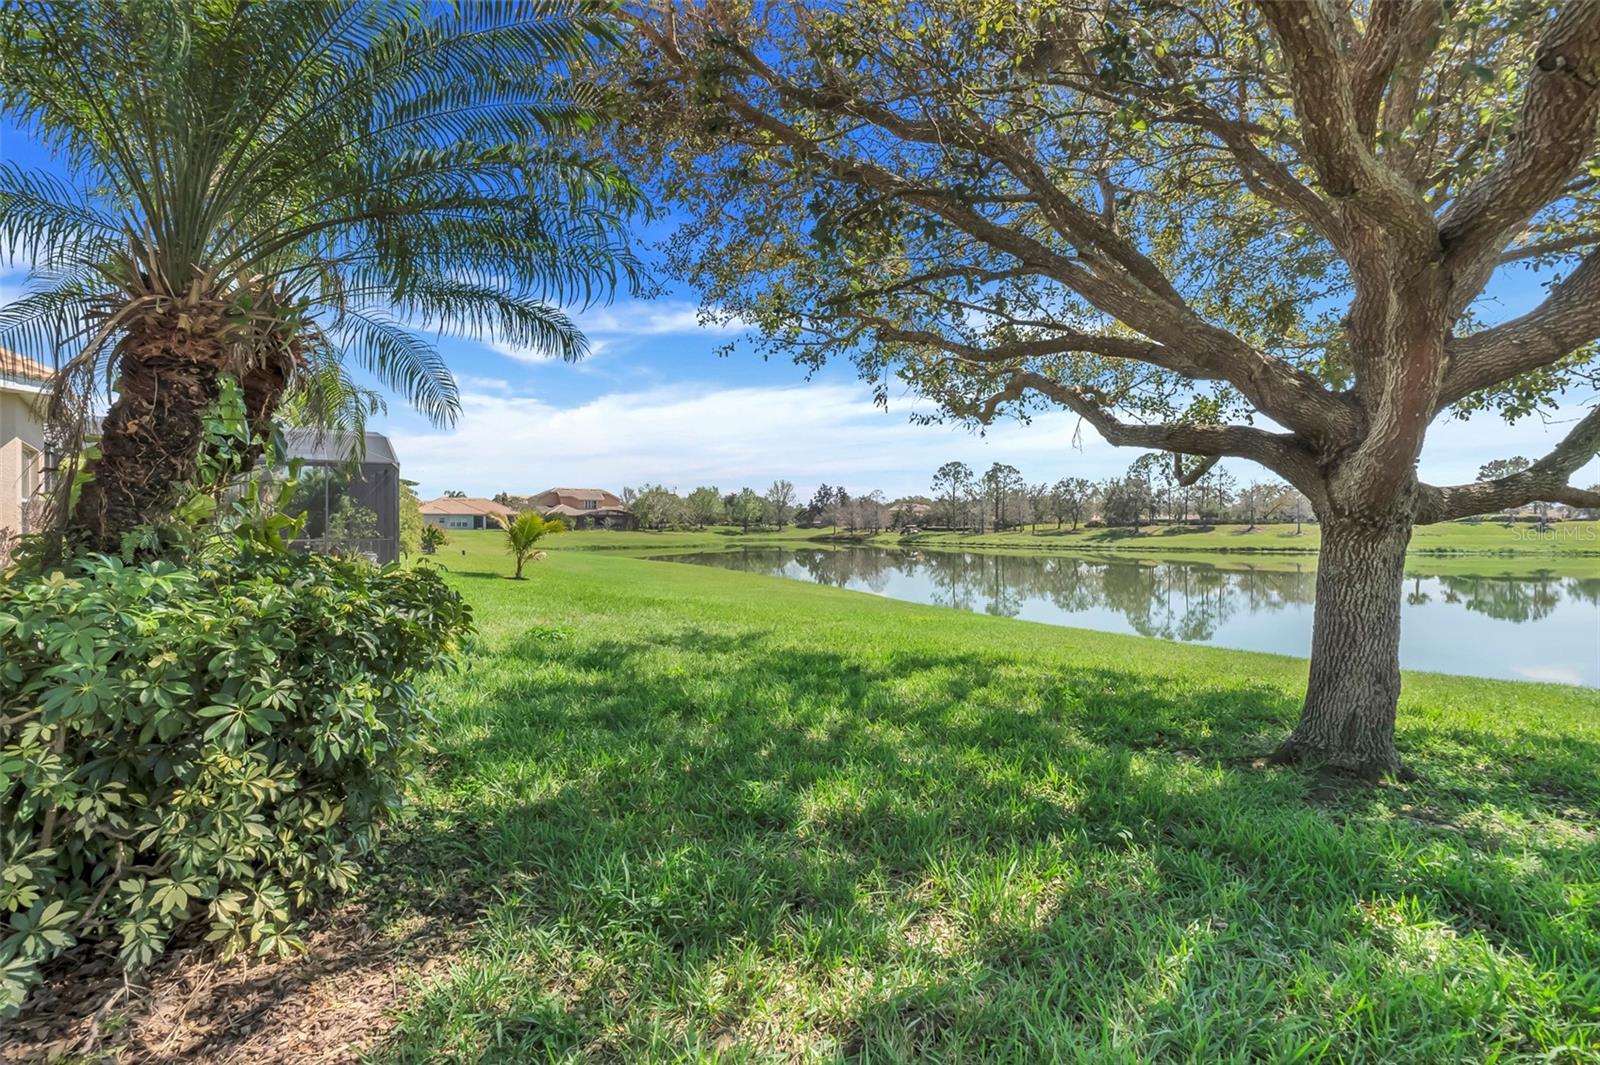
466,512
909,513
584,508
24,385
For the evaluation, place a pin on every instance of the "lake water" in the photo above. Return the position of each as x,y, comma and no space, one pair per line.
1544,627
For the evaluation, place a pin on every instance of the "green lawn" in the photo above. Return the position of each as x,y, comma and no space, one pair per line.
703,815
1573,539
1564,538
485,550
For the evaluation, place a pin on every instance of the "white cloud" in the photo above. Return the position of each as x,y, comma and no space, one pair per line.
654,318
539,358
684,435
1549,674
621,325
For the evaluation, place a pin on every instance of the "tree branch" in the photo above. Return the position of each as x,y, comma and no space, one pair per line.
1065,342
1307,32
1291,397
1277,451
1549,247
1568,318
1187,478
1397,32
1555,131
1274,181
1545,480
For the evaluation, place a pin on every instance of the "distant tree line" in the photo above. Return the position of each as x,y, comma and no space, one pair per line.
656,506
1150,492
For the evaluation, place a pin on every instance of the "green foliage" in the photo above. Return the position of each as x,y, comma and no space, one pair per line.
432,538
216,743
310,175
704,506
411,523
748,508
351,528
524,533
1497,468
654,506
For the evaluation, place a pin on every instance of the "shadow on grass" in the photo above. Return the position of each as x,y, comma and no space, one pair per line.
717,845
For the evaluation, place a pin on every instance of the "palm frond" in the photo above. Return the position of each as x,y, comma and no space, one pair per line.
358,160
45,221
401,361
323,397
480,311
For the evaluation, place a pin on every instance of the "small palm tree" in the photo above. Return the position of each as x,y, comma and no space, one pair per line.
433,538
524,533
276,190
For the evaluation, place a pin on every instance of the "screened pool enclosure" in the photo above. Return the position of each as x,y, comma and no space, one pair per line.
349,493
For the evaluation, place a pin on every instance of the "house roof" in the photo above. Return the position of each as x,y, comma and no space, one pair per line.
467,505
20,366
565,511
318,446
580,493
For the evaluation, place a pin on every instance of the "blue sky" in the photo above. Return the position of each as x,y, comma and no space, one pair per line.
656,402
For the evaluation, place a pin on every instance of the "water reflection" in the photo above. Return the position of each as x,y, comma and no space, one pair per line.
1544,626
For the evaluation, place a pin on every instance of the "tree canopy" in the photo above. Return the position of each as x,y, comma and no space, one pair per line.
1215,229
1170,219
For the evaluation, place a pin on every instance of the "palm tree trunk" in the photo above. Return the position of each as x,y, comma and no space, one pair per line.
263,388
151,438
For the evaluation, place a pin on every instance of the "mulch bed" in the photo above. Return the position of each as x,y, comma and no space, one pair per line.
328,1004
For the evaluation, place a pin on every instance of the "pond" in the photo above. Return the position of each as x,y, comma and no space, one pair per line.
1537,627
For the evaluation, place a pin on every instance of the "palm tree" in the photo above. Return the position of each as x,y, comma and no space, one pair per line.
276,191
524,533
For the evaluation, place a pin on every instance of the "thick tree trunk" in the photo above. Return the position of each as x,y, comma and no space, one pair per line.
152,435
1347,722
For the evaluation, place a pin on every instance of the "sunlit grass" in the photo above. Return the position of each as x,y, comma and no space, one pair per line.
1572,538
714,816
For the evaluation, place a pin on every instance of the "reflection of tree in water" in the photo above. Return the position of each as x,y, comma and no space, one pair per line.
1516,599
842,568
1585,589
1181,601
1174,600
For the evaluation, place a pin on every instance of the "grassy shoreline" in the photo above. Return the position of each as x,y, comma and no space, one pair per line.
1568,539
1575,539
481,549
717,816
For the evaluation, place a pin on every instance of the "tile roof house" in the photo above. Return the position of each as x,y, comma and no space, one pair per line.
466,512
584,508
24,388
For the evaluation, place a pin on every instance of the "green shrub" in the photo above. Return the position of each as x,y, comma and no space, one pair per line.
218,742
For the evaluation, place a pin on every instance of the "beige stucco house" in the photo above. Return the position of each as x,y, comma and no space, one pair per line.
584,508
466,512
23,387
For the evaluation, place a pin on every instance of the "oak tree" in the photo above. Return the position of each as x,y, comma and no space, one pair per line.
1217,229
